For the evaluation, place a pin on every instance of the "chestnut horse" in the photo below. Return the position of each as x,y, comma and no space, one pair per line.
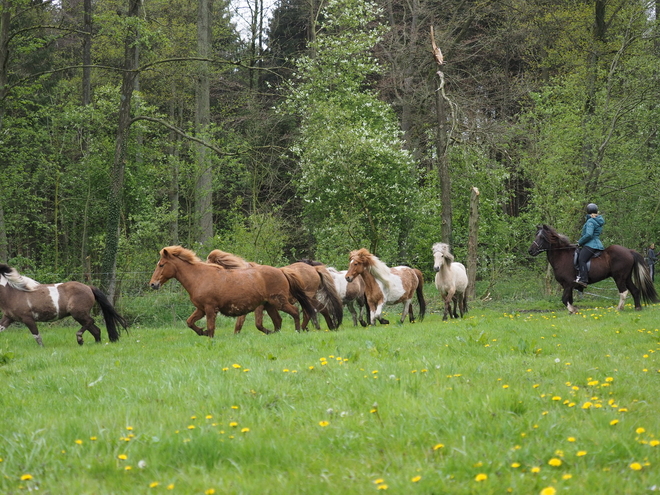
22,299
384,285
316,282
214,289
451,280
625,266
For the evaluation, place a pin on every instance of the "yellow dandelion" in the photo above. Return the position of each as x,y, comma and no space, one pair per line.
535,469
128,468
609,379
416,479
234,407
379,481
613,422
505,386
654,443
566,476
515,464
636,466
233,424
79,442
245,430
536,385
587,405
556,397
481,477
208,416
640,430
26,477
581,453
438,446
571,439
236,366
129,428
549,490
153,484
324,423
382,487
311,367
170,486
210,491
122,457
225,369
92,439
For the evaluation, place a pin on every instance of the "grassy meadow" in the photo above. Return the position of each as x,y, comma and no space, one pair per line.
518,397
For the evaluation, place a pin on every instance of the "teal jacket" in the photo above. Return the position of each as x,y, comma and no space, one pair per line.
591,232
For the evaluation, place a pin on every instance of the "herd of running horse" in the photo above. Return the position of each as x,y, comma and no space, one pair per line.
227,284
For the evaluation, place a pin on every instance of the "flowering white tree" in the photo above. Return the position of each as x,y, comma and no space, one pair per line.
357,180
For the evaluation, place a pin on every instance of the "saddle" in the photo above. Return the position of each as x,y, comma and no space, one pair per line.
576,265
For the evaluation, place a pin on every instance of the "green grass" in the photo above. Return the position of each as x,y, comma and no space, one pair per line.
352,411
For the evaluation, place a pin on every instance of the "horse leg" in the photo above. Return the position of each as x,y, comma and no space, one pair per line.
274,316
567,298
239,323
210,321
407,308
197,315
623,293
5,322
289,308
87,323
32,326
351,310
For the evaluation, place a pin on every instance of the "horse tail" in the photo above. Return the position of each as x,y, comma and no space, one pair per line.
297,290
642,279
329,297
110,315
420,293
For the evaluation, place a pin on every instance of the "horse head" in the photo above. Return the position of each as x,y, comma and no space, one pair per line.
358,262
166,267
441,256
548,238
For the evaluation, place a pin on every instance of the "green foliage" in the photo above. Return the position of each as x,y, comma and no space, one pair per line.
358,183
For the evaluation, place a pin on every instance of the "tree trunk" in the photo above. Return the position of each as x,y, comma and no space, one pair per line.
473,241
87,56
109,264
5,19
204,189
443,169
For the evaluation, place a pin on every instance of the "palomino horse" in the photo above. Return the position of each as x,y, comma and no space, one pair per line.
22,299
350,293
316,282
214,289
384,285
451,280
625,266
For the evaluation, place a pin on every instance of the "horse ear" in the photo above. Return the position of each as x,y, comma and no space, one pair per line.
165,253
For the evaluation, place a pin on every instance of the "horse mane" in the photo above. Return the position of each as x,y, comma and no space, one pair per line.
376,267
16,280
554,237
182,253
310,262
227,260
441,247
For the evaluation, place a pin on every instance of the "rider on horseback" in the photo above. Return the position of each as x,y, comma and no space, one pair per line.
589,243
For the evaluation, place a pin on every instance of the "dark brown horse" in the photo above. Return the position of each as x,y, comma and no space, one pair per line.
24,300
384,285
625,266
317,283
213,289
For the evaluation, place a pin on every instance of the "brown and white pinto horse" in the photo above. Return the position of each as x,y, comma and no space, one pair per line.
351,293
384,285
316,282
22,299
625,266
213,289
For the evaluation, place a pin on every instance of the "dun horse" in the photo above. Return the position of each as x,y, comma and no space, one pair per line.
24,300
451,280
316,282
213,289
384,285
625,266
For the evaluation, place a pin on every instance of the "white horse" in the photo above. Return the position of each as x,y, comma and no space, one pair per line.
450,279
350,292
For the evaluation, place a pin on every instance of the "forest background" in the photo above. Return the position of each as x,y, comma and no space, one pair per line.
318,127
